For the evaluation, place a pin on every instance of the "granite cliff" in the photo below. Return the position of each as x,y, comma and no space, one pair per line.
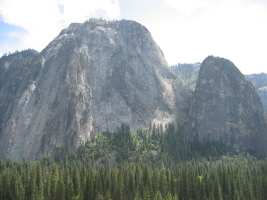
188,74
226,107
92,77
96,75
260,83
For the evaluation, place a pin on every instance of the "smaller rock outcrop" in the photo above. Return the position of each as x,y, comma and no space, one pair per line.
226,107
187,74
260,83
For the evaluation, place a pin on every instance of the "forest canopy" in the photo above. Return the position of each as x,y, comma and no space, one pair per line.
152,164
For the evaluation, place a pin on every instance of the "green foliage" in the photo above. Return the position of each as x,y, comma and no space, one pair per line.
231,178
153,146
152,164
100,21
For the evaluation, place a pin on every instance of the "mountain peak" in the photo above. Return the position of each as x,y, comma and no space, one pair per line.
92,77
226,107
216,63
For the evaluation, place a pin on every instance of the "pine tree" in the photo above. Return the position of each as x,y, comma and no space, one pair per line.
131,185
17,189
39,181
236,195
60,191
163,184
168,196
76,181
158,196
217,189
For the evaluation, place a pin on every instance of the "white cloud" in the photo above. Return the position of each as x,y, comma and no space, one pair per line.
188,7
187,31
191,30
37,18
86,9
42,20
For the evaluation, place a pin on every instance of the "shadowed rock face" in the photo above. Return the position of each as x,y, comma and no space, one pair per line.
90,78
260,83
188,74
226,107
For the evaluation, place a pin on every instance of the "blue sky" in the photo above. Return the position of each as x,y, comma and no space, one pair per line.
186,30
7,34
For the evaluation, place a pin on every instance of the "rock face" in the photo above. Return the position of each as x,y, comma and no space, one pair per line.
226,107
260,83
96,75
187,73
90,78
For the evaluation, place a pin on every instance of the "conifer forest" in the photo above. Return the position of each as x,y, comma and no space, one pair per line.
154,164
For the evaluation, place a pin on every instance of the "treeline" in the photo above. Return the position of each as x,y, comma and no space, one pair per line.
153,164
17,51
158,146
230,178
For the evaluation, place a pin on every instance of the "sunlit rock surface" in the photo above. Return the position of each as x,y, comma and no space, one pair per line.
89,79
